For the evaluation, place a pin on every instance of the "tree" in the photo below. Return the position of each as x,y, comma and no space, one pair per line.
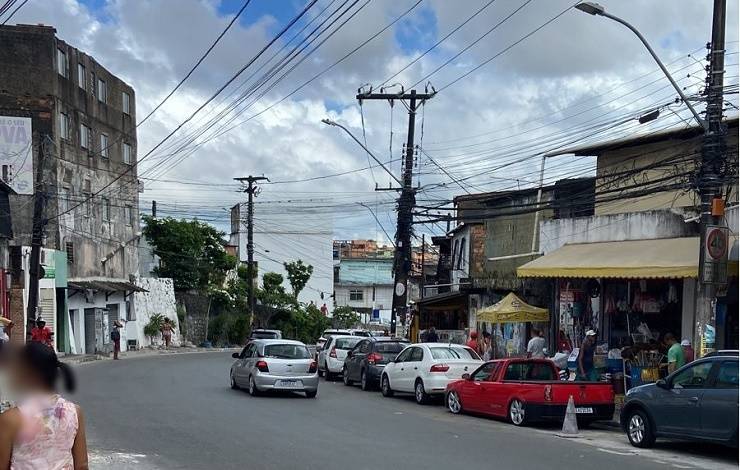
298,276
191,252
345,317
273,298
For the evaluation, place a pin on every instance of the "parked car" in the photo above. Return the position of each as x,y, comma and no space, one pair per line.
275,364
262,333
425,369
325,335
697,402
332,355
527,390
368,359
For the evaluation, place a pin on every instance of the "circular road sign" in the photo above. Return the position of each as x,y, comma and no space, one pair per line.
717,243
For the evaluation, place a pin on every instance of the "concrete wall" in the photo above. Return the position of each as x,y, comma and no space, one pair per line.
646,225
160,298
196,308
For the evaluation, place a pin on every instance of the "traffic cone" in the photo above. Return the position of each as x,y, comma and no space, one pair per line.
570,423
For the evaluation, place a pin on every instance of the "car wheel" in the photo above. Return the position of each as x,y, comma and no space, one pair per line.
453,403
364,381
253,390
639,429
345,377
385,387
311,393
420,394
516,413
234,386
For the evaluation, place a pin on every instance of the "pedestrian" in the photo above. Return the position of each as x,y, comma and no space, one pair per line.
5,326
586,369
487,348
324,310
431,335
43,430
536,345
167,330
42,334
473,342
115,336
688,351
676,358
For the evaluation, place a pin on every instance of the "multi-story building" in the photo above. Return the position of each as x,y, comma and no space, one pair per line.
81,155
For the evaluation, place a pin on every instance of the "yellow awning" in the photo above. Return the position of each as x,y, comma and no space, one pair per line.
635,259
512,309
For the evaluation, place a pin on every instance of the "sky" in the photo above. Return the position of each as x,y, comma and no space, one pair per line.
515,78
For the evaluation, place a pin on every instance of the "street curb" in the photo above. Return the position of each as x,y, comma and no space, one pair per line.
142,354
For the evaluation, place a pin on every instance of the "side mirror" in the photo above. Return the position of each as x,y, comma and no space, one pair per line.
662,383
235,355
466,376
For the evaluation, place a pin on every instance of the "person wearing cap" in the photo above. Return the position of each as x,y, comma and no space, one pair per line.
42,334
688,351
473,342
115,336
586,357
676,358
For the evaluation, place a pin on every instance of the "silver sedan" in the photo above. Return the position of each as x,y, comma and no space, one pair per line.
275,364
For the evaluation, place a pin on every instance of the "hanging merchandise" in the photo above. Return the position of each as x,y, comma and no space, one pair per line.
610,306
672,293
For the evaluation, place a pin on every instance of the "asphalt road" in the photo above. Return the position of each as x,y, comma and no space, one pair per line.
178,412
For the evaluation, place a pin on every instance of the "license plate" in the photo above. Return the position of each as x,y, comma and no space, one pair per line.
584,410
289,384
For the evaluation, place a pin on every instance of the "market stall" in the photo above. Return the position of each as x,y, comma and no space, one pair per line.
509,317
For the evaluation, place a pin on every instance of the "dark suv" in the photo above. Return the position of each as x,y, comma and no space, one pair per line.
699,401
366,361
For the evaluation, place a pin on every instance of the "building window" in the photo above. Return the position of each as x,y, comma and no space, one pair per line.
64,201
102,91
106,209
70,248
62,65
85,134
103,145
63,126
126,103
81,77
126,153
129,215
355,294
86,194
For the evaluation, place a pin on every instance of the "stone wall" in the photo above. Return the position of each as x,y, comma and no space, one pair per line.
197,307
160,298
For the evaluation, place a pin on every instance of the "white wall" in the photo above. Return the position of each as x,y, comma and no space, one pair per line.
647,225
160,298
383,296
78,302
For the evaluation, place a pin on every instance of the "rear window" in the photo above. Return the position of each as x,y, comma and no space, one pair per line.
287,351
347,343
454,353
529,371
390,348
334,333
264,335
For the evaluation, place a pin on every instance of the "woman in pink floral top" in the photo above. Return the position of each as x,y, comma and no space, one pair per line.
43,431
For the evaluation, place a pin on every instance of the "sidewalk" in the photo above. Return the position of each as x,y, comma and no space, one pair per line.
76,359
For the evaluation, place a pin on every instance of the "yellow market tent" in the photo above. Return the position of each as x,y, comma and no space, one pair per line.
512,309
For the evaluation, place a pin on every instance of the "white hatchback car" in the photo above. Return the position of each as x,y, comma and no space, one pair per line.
332,355
425,369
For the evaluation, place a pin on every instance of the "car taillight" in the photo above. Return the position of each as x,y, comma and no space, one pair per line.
372,358
262,366
333,352
312,368
439,368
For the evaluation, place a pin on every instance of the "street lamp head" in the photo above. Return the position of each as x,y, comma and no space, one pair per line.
592,8
328,122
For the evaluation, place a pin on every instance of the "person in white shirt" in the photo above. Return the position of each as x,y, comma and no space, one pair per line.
536,345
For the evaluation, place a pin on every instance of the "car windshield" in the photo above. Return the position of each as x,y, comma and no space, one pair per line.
454,353
287,351
264,335
389,348
347,343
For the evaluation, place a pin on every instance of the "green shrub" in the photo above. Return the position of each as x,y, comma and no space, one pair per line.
152,329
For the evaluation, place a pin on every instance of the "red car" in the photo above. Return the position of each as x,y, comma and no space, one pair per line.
527,390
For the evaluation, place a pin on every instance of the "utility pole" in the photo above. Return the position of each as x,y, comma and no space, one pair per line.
154,209
714,236
423,277
37,239
251,189
406,202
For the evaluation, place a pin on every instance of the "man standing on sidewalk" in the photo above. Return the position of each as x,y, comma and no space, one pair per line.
536,345
676,358
115,336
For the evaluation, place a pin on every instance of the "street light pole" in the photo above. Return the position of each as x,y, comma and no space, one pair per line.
713,246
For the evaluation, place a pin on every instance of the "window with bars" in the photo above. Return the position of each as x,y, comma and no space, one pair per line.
64,126
355,294
106,209
126,98
85,134
102,91
81,77
70,249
